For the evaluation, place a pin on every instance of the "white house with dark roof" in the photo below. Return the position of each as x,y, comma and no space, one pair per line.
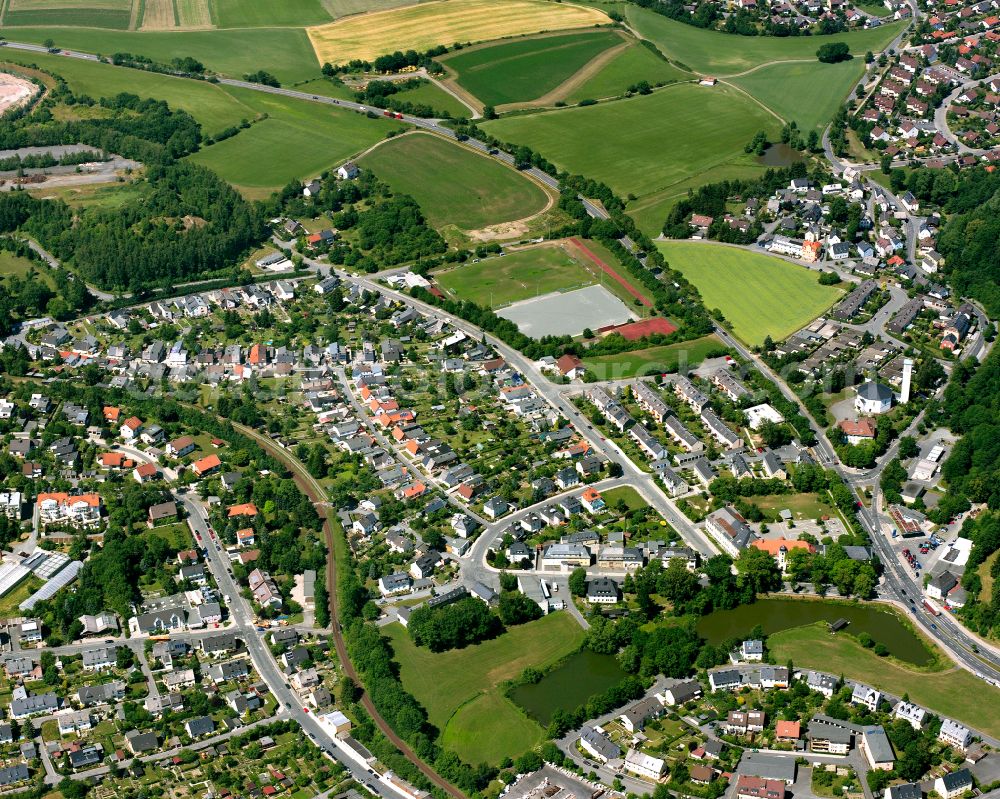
955,734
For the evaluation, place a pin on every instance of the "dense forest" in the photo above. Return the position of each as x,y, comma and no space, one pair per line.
971,408
968,240
189,224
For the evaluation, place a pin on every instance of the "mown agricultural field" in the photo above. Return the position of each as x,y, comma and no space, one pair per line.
233,52
759,295
806,93
460,688
652,360
208,103
298,140
437,98
428,24
954,692
71,13
634,64
453,185
715,53
644,144
526,69
269,13
497,281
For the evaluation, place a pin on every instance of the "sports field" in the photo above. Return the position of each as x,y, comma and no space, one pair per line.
298,140
652,360
460,691
715,53
526,69
955,692
453,185
428,24
232,52
496,281
759,295
643,144
634,64
808,93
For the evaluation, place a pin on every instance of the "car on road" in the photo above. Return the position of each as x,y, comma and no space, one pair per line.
288,705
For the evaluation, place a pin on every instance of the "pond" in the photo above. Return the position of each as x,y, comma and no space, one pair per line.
779,154
567,686
775,615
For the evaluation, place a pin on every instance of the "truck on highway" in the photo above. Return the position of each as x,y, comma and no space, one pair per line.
931,608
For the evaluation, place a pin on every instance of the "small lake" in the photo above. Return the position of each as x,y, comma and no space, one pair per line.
779,154
567,686
775,615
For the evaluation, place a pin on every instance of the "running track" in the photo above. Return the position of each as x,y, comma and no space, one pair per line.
612,273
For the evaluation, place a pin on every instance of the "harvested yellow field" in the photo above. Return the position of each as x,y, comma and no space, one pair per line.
194,14
443,22
158,15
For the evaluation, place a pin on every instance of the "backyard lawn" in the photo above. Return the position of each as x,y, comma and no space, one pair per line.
759,295
460,688
652,360
954,693
478,191
629,495
802,506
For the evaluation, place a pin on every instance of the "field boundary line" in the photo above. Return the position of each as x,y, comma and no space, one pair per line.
611,272
767,64
451,85
514,37
135,16
769,110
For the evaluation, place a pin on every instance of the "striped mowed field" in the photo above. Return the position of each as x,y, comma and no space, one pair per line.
425,25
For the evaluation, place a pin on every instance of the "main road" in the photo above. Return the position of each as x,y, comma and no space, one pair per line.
242,618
